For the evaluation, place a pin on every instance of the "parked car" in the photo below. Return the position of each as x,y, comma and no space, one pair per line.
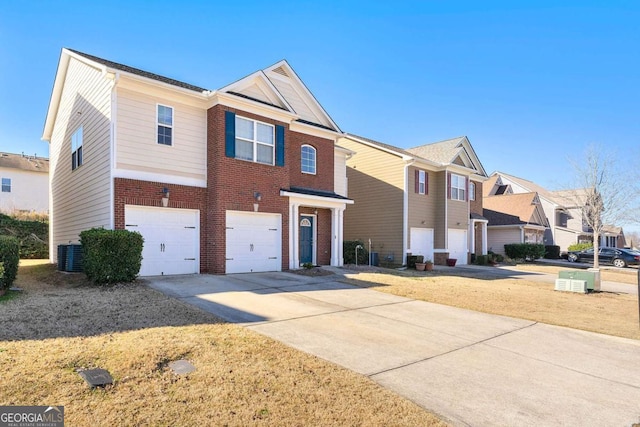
617,257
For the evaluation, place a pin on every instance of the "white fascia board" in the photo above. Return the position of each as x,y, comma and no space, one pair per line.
310,99
344,150
56,93
158,177
404,157
319,201
251,106
247,81
204,95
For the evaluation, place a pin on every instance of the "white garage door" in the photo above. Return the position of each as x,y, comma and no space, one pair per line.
254,242
171,239
421,242
458,245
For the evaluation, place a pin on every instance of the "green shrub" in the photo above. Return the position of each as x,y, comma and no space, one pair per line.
482,259
552,252
580,246
307,265
32,235
349,251
111,256
524,251
9,258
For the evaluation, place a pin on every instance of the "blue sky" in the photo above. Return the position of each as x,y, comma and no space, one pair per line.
530,83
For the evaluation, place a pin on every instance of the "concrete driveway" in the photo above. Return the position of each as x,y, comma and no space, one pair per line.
471,368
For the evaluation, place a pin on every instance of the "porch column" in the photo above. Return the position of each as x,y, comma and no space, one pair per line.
334,236
294,247
340,237
484,237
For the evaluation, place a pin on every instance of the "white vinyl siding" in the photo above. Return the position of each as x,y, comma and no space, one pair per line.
340,173
498,237
81,198
137,149
29,191
295,99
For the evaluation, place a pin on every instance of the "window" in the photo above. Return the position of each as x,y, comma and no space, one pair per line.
254,141
308,159
422,182
472,191
458,187
76,149
6,185
165,125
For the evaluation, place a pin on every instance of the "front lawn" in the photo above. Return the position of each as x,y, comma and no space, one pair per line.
59,325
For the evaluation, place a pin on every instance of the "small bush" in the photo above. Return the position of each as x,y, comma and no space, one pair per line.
9,258
111,256
307,265
580,246
524,251
552,252
32,235
349,251
482,259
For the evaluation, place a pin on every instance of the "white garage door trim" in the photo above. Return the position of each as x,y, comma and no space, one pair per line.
421,241
458,245
171,239
253,242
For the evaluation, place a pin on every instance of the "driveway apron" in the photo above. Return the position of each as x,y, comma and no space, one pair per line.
473,369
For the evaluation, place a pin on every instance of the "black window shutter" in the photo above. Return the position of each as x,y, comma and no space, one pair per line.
279,145
230,134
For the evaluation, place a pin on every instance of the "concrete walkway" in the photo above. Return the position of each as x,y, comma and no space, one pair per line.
474,369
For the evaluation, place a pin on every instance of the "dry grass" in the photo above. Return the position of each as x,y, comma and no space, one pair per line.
605,313
627,275
56,328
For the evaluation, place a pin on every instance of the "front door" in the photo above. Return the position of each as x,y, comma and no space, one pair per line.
306,239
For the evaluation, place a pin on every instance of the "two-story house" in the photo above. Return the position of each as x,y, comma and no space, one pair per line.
425,200
244,178
24,183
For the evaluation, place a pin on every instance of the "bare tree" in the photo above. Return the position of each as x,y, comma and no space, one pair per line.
600,188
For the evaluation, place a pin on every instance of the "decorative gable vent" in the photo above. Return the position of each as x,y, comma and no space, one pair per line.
281,71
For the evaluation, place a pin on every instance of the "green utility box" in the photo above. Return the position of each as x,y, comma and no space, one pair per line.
587,276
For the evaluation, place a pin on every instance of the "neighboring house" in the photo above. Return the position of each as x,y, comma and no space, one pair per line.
514,218
565,225
244,178
425,200
25,183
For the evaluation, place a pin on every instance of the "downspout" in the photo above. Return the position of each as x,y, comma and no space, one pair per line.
115,78
405,209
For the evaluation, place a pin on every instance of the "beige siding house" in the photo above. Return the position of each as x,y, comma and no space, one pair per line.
24,181
416,200
248,177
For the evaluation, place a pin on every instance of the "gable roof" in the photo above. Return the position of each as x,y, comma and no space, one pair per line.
276,86
445,153
529,186
137,71
23,162
279,86
522,208
451,151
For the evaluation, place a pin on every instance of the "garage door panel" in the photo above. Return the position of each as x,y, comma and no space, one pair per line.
458,245
421,242
254,242
171,239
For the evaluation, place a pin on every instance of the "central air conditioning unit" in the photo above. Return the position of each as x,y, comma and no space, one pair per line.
570,285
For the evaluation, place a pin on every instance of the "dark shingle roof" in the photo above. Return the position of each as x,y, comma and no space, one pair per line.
501,218
315,192
139,72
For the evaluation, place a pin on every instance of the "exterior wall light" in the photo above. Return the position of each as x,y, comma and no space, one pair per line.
165,197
